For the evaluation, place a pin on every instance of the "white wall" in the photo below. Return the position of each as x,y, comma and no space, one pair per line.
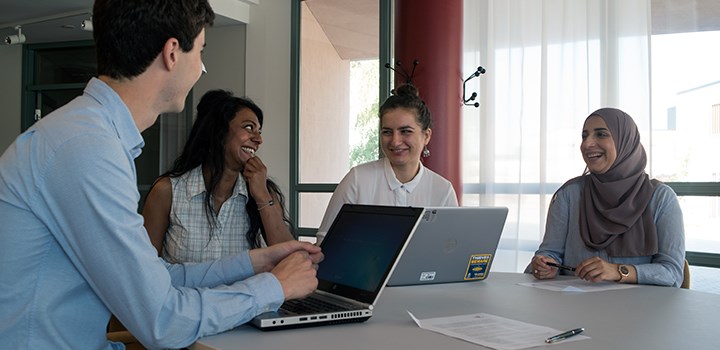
324,107
268,82
10,94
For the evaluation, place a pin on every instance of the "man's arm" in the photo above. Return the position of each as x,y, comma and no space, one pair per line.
91,194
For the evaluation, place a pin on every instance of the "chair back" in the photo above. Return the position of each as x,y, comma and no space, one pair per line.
686,276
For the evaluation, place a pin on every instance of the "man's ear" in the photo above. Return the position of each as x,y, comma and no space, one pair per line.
170,53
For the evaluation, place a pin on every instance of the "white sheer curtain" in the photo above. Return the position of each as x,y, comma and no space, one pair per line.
549,64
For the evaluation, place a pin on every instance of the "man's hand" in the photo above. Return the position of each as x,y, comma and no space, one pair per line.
265,259
297,275
293,263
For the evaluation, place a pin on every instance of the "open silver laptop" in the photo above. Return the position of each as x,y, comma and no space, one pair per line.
451,244
361,249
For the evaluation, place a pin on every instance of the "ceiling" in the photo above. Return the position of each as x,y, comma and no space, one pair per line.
59,20
350,25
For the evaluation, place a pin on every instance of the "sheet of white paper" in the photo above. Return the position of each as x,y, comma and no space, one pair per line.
492,331
576,285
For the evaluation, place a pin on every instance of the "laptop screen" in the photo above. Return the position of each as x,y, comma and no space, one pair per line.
361,246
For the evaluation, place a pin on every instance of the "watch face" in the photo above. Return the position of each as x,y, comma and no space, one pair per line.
624,270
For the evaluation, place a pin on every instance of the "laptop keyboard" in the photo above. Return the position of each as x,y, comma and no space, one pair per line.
312,304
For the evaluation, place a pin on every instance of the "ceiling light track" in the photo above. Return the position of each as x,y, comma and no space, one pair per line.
45,19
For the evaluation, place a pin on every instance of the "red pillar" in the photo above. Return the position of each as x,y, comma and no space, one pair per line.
431,32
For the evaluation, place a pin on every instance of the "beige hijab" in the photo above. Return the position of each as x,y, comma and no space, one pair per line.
613,207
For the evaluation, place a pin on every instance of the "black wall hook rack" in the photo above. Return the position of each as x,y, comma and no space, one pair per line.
473,96
402,71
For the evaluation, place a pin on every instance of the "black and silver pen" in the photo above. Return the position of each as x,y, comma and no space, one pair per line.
564,335
559,266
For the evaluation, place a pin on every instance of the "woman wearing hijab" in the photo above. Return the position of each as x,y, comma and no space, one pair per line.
613,223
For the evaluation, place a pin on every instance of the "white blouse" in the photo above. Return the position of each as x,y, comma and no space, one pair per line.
375,183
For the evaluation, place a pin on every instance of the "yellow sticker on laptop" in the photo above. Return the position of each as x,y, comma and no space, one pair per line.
477,266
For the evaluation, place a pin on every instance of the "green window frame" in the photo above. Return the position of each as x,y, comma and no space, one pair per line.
296,188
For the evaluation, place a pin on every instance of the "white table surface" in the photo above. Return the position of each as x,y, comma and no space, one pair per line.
646,317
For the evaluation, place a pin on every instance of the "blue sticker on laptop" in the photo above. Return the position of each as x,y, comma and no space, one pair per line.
477,266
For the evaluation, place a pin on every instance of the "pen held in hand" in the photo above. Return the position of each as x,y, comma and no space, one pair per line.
564,335
559,266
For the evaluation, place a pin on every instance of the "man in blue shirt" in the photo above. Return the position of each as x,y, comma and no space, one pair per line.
73,248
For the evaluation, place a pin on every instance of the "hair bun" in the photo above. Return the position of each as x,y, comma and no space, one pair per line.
407,90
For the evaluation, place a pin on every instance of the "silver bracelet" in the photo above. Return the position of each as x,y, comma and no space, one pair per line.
268,204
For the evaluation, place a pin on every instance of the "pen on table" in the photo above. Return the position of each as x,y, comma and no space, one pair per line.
559,266
564,335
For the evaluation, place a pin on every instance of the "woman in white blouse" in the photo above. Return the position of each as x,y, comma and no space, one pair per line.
399,179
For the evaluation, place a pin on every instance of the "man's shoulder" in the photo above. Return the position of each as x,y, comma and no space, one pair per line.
80,117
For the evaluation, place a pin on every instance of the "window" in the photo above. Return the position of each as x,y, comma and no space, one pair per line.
668,79
339,74
686,120
551,63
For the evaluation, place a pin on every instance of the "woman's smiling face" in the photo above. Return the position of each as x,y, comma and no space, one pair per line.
402,137
243,138
597,147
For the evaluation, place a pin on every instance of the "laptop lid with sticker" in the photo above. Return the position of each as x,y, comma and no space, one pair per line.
451,244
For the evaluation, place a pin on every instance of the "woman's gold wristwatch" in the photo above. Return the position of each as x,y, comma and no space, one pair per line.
624,272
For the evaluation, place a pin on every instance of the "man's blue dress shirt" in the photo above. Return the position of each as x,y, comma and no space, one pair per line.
73,248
